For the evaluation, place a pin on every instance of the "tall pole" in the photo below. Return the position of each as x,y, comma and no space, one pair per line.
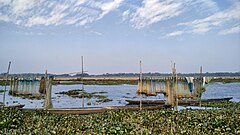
4,95
46,78
82,85
176,86
201,82
201,71
140,85
82,74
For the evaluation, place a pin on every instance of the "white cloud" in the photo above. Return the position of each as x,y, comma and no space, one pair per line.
175,33
203,6
230,31
20,7
43,12
96,33
53,20
4,18
154,11
109,6
80,2
217,19
5,2
82,12
125,15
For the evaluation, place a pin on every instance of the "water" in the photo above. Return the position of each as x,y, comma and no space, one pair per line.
196,108
117,93
222,90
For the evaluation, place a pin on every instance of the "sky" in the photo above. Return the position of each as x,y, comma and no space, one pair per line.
114,35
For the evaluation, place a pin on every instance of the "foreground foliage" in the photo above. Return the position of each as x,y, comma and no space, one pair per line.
225,121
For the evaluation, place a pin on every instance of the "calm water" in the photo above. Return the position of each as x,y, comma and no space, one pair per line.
118,93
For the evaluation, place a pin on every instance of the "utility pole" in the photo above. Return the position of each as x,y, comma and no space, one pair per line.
140,85
4,95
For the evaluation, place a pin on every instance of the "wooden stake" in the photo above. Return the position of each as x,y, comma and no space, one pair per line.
141,85
4,95
46,78
200,100
82,85
82,73
176,96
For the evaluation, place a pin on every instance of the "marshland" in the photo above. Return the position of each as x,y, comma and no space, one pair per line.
212,117
120,67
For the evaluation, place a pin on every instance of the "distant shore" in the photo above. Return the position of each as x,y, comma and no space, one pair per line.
115,80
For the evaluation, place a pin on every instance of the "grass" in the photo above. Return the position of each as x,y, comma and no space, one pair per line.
225,121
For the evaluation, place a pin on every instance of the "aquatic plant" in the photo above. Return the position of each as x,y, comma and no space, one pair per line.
83,94
71,92
224,105
104,100
123,122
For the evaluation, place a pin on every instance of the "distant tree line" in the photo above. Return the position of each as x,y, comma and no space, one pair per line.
236,74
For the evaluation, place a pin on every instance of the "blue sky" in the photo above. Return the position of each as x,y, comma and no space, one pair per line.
114,35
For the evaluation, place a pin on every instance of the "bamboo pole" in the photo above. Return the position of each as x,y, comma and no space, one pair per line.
176,86
201,79
11,83
46,78
140,85
82,85
4,95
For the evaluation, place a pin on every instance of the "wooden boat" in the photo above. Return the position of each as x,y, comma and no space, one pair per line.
92,110
180,102
15,106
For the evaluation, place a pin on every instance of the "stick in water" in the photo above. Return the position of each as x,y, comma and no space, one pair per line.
4,95
140,85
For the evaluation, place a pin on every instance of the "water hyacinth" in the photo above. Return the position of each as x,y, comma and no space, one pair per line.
218,121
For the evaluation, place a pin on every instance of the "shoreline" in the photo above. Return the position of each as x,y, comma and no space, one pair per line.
115,80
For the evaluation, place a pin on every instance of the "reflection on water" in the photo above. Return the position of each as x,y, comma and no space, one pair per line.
118,93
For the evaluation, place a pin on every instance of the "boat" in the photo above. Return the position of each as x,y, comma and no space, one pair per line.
180,102
93,110
14,106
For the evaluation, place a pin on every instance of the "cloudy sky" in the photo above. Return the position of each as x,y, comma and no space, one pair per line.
114,35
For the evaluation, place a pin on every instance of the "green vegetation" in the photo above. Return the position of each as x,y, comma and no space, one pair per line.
97,82
27,95
223,121
224,105
71,92
104,100
1,91
3,82
225,80
81,93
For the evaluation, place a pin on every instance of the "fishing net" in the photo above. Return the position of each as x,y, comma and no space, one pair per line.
182,87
